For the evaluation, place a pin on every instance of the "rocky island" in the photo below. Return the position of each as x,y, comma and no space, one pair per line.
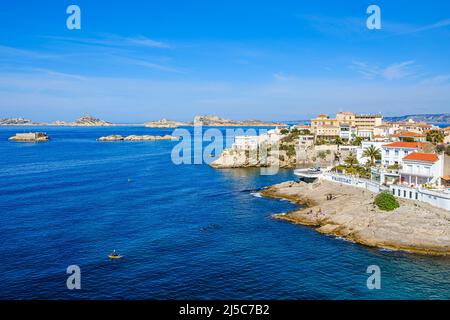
211,121
115,137
16,122
351,214
84,121
30,137
215,121
164,123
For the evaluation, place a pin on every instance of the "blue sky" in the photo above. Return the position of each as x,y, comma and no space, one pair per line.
135,61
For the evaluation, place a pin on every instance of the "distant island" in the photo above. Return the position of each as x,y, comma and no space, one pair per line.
30,137
164,123
215,121
202,120
429,118
90,121
84,121
212,121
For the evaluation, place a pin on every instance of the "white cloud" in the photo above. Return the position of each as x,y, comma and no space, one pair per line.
115,41
398,70
393,71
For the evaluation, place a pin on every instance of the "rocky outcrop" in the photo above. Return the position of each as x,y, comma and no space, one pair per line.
113,138
287,154
30,137
89,121
351,214
164,123
215,121
15,122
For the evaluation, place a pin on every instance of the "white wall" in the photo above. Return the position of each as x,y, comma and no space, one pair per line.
390,156
435,198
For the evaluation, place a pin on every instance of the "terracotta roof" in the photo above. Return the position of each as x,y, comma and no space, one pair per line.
410,145
424,125
417,156
408,134
447,178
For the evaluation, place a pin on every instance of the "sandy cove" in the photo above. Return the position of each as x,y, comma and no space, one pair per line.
415,226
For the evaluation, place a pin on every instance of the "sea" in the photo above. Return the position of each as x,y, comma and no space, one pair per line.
186,231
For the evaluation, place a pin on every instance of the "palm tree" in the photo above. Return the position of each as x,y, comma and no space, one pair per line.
357,141
338,141
435,136
351,159
372,153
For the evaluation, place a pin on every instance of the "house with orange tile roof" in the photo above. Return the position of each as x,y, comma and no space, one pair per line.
408,136
393,153
421,168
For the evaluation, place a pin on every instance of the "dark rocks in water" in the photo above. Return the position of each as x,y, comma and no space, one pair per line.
211,226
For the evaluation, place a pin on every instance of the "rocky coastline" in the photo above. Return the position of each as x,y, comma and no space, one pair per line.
351,214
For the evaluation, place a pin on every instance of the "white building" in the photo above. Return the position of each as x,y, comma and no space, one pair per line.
393,153
365,133
408,135
347,132
251,142
421,168
247,142
384,130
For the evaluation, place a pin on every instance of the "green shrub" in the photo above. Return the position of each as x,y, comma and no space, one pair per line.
386,201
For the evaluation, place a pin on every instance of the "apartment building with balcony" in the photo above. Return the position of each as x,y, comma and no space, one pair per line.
421,168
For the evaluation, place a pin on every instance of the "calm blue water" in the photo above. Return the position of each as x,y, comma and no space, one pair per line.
187,232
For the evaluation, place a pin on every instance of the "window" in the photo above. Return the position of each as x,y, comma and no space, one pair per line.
410,194
393,192
404,193
398,192
417,195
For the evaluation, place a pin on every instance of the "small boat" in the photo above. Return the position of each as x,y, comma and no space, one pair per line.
114,255
117,256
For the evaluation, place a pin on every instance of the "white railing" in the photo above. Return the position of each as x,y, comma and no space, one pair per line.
358,182
437,198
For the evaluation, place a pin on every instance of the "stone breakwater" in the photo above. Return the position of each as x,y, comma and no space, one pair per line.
351,214
113,138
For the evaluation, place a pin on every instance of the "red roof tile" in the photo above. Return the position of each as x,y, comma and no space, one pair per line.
400,144
408,134
417,156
